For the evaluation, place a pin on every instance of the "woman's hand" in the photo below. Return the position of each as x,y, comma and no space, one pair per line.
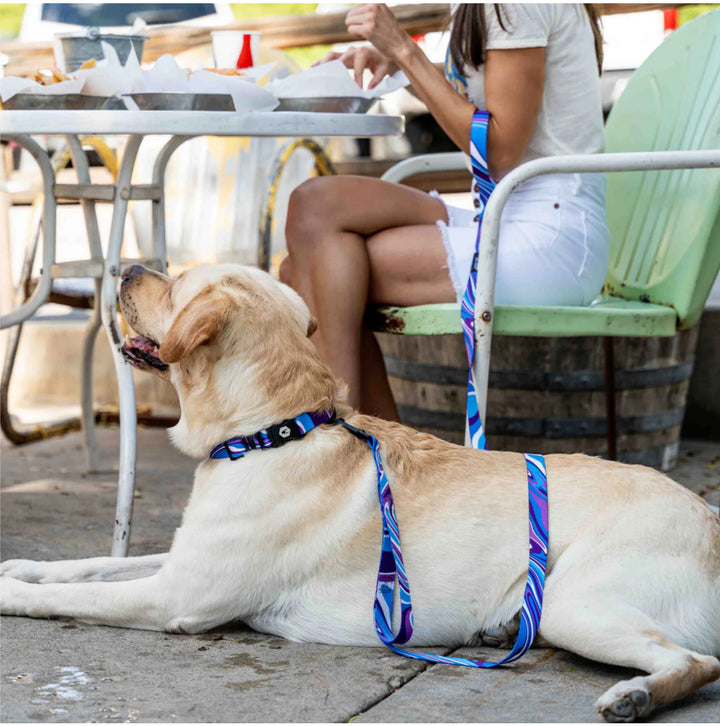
376,23
361,58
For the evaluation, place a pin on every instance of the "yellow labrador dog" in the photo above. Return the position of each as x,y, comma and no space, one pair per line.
288,539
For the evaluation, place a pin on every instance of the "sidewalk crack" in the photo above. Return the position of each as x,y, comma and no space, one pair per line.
425,666
518,670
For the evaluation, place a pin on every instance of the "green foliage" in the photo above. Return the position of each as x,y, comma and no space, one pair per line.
11,15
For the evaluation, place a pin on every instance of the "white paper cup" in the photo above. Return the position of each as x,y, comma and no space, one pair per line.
227,44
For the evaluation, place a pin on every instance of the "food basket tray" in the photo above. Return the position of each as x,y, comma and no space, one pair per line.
55,102
327,104
183,101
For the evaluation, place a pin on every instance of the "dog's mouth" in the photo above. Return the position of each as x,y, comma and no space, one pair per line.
141,351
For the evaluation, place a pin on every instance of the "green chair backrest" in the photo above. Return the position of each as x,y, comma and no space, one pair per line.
665,226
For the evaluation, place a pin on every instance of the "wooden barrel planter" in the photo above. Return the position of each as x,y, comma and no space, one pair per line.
547,394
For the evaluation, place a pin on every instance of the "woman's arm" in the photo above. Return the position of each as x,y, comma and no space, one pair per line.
514,81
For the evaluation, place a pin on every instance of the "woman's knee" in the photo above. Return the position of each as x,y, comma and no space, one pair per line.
310,206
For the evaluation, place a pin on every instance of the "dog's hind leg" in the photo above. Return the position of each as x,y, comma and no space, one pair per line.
621,635
106,569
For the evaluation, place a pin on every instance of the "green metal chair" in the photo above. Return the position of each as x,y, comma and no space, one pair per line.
665,225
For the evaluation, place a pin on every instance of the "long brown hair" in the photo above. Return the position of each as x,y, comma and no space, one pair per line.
469,33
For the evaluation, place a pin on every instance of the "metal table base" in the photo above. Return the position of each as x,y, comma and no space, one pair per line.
20,126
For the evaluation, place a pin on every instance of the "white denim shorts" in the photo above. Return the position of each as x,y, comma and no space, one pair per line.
553,247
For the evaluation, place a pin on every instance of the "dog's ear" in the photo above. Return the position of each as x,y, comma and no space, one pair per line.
312,326
198,322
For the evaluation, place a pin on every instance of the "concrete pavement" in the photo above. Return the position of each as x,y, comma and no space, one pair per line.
63,671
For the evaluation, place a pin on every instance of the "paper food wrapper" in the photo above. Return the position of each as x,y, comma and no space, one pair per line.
111,78
108,78
332,79
246,95
11,85
166,76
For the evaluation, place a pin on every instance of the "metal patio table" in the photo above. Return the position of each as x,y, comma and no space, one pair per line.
19,126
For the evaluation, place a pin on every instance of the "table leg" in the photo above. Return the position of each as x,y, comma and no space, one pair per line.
158,207
86,388
126,388
42,290
82,170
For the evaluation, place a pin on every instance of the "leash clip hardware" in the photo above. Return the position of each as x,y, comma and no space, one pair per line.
357,433
281,433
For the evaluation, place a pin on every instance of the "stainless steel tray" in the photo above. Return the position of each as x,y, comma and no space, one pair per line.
328,104
183,101
58,102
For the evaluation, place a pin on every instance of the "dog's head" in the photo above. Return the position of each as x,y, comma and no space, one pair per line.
234,343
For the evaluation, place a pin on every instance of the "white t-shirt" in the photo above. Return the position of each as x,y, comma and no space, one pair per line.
570,119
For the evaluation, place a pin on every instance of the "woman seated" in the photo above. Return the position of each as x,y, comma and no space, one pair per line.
355,240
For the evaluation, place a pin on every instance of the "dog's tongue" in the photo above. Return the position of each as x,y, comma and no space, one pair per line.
143,350
142,343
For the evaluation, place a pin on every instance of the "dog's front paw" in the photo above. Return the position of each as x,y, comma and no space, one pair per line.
25,570
13,596
626,701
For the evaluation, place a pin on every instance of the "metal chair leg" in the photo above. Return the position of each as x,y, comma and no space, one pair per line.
610,412
88,413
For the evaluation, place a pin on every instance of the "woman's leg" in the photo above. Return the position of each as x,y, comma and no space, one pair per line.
408,266
353,239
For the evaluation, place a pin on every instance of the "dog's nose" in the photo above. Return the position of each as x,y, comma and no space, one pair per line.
130,273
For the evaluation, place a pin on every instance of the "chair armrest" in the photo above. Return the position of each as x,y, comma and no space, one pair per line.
446,161
581,163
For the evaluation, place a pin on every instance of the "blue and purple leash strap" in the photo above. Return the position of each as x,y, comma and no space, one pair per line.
391,567
485,185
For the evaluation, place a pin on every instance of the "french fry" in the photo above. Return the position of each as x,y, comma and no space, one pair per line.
87,65
59,76
47,77
225,71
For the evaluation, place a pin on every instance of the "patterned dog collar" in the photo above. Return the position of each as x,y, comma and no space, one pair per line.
273,436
